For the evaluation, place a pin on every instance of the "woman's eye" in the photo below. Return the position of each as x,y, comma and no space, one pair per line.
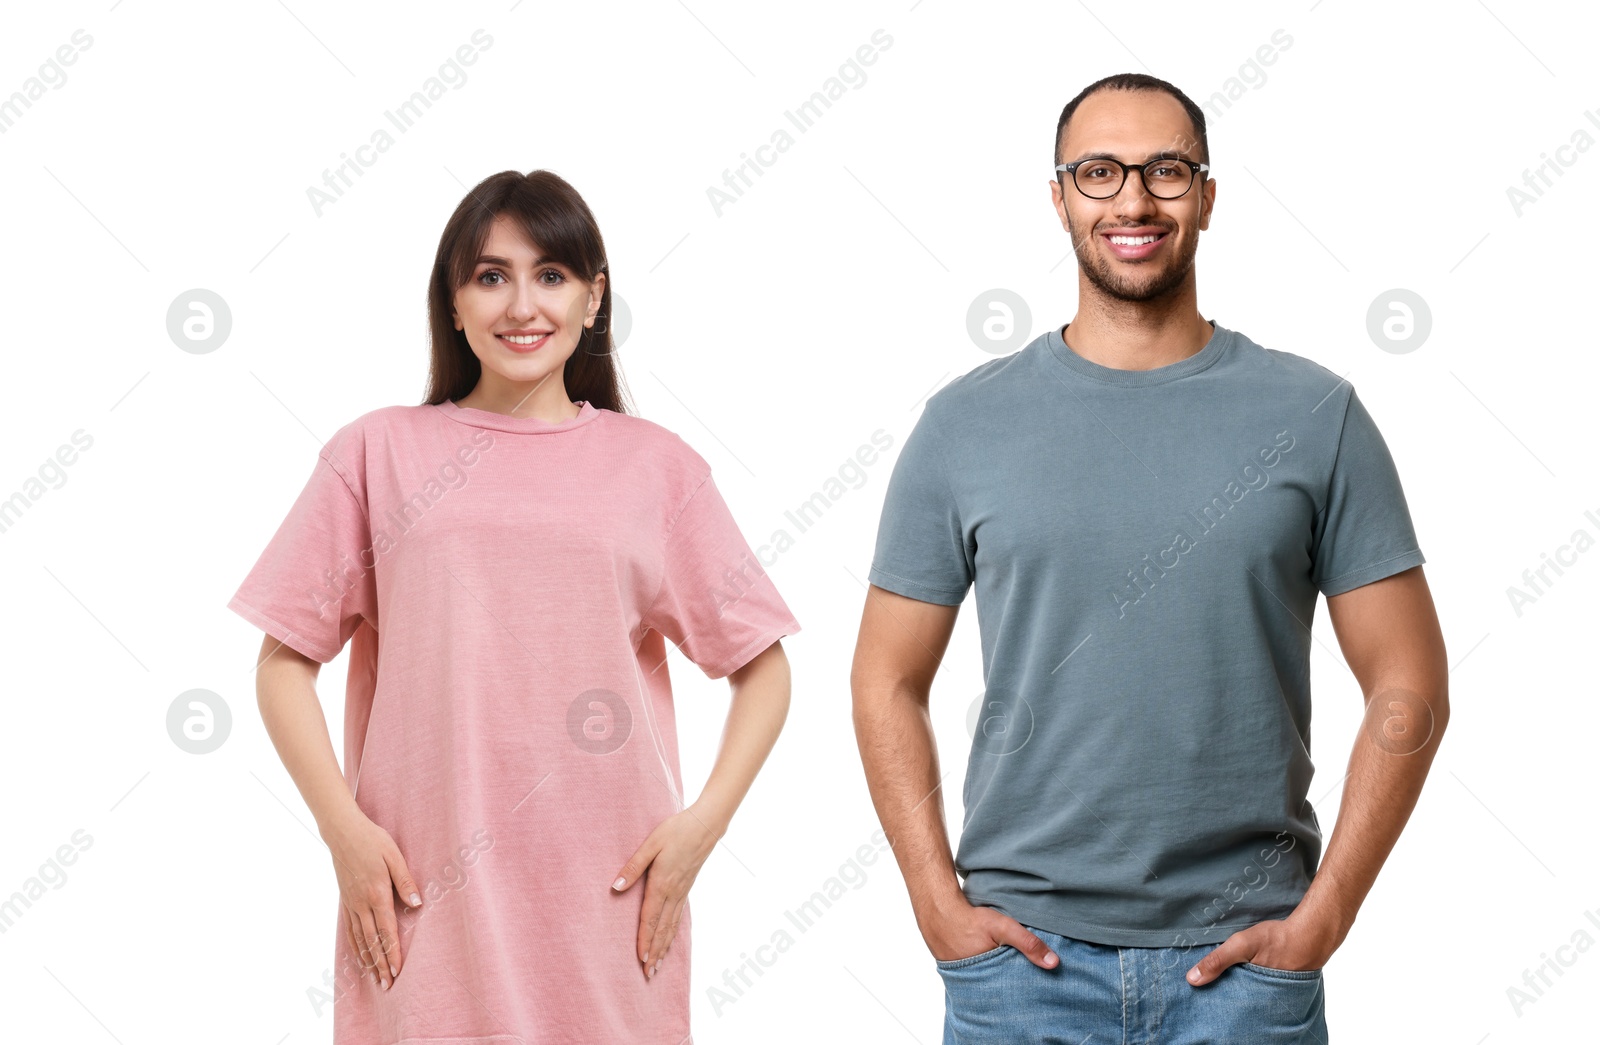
500,278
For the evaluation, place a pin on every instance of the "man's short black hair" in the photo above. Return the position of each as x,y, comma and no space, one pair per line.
1134,82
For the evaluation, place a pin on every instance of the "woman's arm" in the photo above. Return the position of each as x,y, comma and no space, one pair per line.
366,860
679,846
760,705
287,697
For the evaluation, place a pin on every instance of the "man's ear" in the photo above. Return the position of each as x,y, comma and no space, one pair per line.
1058,200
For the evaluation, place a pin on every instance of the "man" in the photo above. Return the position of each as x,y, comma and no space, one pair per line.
1146,504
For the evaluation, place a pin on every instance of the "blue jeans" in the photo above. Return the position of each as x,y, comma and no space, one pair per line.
1125,996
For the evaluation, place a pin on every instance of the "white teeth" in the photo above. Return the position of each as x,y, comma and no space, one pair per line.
1132,241
521,339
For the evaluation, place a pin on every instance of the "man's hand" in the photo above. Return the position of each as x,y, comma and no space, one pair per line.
1298,942
962,930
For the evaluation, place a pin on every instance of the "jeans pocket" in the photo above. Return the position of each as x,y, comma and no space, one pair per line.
1283,974
957,963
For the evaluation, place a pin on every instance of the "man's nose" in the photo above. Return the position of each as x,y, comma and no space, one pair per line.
1133,197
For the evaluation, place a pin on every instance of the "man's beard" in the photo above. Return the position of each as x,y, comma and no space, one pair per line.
1131,282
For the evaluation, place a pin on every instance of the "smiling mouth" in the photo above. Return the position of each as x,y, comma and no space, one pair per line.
524,341
1134,247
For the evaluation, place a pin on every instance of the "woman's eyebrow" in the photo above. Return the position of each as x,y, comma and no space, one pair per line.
494,259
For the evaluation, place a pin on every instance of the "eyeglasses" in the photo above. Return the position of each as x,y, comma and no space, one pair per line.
1101,178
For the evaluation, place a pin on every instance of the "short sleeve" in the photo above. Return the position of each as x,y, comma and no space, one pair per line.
314,583
921,552
716,602
1364,532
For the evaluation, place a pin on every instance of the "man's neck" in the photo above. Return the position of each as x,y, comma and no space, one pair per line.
1136,340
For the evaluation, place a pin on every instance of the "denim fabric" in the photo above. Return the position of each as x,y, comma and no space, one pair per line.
1125,996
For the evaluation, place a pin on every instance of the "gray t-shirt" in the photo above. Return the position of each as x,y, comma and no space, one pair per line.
1146,549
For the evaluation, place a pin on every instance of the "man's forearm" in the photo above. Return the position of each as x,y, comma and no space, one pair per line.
1389,762
902,765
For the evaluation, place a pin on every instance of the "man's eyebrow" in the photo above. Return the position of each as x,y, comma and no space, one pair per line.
1164,154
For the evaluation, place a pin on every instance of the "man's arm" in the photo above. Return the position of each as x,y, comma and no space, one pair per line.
1390,636
898,651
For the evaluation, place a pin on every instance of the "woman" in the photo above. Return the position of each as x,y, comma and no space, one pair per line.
510,558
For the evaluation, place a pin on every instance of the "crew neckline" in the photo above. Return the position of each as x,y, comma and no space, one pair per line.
471,415
1217,344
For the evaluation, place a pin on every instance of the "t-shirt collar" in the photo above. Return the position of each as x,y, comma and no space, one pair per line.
1213,350
469,415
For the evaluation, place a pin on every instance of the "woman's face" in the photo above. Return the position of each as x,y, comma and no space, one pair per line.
523,315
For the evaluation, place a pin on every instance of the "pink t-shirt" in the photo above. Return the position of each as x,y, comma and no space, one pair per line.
511,584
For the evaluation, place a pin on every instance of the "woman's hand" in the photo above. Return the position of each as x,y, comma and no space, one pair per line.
673,854
370,870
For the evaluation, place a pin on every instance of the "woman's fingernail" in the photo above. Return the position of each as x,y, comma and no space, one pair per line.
618,883
415,900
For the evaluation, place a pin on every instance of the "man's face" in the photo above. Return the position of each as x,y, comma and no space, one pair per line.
1133,126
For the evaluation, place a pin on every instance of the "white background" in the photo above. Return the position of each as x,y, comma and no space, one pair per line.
1374,153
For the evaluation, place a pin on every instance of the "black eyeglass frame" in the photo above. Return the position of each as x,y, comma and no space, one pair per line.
1194,169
